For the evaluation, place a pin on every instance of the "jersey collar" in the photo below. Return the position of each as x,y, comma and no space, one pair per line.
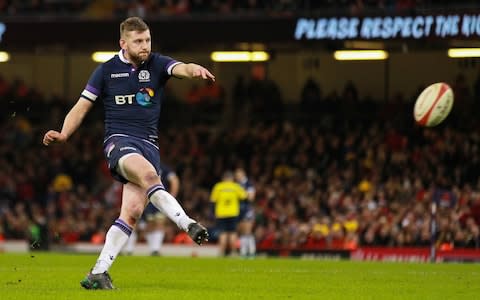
122,57
125,60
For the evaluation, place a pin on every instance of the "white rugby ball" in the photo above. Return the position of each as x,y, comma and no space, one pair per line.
433,105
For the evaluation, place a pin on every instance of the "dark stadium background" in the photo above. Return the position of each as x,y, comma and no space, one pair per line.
337,160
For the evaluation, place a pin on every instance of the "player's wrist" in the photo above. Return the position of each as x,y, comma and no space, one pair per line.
63,137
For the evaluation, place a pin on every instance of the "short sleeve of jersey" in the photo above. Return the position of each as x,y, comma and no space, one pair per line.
167,63
214,195
94,86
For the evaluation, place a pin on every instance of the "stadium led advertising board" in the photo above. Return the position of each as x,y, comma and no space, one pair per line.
265,29
389,27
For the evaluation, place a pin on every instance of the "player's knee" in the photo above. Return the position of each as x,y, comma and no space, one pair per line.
150,178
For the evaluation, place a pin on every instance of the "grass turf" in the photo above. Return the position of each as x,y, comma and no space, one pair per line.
56,276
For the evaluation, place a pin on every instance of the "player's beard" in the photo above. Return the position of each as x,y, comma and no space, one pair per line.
140,57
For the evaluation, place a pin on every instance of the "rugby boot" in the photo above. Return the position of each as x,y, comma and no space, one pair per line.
198,233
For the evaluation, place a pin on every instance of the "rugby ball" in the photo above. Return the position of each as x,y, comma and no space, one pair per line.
433,105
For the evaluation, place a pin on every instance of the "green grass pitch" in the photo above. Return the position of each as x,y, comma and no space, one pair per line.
56,276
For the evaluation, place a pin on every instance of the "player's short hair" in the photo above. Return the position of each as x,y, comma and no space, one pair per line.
132,24
227,175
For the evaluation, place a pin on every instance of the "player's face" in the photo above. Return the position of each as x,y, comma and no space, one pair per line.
239,175
137,45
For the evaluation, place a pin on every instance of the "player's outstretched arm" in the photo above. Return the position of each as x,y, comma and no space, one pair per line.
70,124
192,70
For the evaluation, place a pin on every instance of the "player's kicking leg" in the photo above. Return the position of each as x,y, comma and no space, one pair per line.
139,171
143,181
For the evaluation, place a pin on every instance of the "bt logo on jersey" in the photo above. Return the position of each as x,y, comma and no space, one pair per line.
143,97
124,99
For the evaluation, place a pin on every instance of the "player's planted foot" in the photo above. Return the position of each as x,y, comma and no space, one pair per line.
198,233
100,281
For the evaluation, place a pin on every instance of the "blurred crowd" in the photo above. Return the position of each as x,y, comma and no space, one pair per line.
158,8
340,172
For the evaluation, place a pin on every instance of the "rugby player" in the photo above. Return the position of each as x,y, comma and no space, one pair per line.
131,85
247,215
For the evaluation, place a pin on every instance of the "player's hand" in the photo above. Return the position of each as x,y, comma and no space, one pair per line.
201,72
53,136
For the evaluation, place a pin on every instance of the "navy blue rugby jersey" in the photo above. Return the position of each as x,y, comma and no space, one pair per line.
132,97
247,185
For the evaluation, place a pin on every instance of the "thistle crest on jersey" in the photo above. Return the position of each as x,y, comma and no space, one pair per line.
144,76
